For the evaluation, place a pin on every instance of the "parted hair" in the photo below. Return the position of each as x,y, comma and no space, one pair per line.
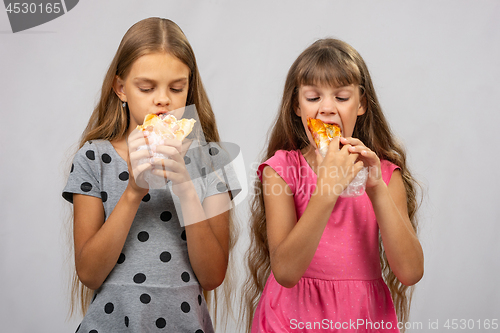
329,62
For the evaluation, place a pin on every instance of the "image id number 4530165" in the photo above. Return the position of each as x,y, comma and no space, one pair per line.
469,324
32,8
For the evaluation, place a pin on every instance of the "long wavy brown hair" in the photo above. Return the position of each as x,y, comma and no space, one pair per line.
110,121
334,63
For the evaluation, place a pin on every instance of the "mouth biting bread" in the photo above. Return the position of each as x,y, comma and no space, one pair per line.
322,133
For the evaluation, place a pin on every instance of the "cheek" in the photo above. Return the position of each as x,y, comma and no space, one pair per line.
306,111
134,97
179,105
180,99
348,125
179,112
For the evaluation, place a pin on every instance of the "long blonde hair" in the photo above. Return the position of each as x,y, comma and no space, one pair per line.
334,63
110,120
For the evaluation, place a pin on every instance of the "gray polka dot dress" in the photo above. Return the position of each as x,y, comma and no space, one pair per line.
152,287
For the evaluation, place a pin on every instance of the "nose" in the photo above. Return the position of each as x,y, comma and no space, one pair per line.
327,106
162,99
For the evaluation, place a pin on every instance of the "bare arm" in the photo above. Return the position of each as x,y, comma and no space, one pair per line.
97,244
207,235
292,243
403,250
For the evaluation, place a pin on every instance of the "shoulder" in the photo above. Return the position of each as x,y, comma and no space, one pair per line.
91,148
387,169
90,155
281,158
214,155
222,153
210,167
85,173
287,156
87,153
285,163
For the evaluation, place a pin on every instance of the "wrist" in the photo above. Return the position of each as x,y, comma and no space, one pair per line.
134,195
325,197
186,191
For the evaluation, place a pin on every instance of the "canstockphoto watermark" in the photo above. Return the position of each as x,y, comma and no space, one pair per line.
31,13
359,324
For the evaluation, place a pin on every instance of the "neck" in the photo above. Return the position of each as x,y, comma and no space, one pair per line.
309,154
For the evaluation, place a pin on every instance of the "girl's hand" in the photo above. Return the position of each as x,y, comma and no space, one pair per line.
369,158
136,171
173,168
337,169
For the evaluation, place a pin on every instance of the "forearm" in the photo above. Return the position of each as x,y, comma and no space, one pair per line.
293,255
402,247
100,253
207,255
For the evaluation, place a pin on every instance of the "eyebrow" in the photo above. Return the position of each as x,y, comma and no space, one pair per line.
146,80
312,86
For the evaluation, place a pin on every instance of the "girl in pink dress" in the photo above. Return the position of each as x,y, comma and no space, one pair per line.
321,262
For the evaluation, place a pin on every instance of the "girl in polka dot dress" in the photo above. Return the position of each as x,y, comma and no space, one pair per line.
142,264
316,260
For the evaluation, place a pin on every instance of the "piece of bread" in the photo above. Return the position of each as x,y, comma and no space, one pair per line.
159,128
322,133
166,126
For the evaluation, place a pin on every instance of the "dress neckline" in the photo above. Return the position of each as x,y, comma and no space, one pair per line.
114,151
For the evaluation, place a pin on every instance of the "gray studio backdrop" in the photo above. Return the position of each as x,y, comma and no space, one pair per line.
435,67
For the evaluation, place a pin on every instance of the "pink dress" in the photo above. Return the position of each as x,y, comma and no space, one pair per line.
342,290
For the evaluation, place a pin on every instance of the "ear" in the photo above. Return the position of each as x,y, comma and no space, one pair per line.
118,87
297,110
361,109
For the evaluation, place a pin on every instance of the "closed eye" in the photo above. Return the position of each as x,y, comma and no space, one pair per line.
342,99
314,99
177,90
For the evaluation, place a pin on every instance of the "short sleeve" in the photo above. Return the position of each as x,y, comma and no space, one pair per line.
84,174
223,178
387,170
285,163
